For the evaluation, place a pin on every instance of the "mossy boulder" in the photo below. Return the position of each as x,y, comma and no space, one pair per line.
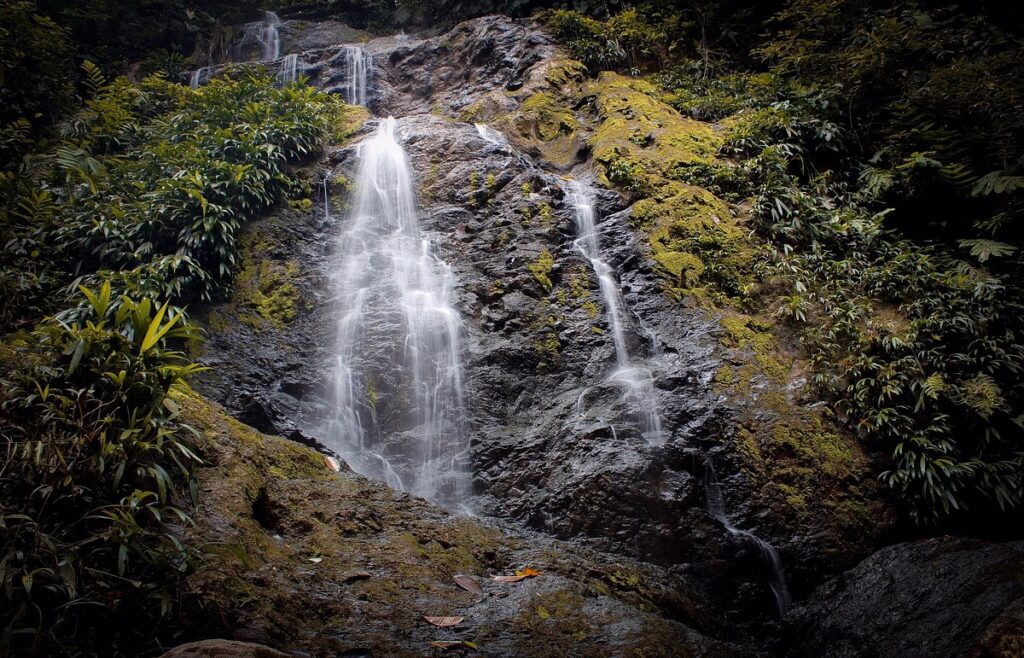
640,140
793,458
304,559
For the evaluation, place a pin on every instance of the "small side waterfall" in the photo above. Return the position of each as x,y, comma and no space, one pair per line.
198,77
716,508
636,380
490,135
398,403
263,34
289,69
359,63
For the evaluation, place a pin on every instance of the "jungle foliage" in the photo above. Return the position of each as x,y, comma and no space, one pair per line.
120,202
97,483
147,186
879,149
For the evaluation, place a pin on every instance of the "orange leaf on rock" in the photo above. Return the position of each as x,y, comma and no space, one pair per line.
468,583
528,572
443,622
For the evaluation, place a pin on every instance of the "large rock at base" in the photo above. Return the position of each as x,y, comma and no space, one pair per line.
223,649
325,564
931,599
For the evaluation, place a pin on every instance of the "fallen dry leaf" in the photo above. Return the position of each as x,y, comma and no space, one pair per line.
450,644
507,579
528,572
443,622
468,583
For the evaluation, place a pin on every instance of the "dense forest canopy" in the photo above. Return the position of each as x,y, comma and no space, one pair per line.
878,147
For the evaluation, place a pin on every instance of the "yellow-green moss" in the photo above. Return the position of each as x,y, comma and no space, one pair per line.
265,288
545,216
549,118
747,333
347,121
545,121
699,248
562,72
647,135
548,349
371,394
557,620
541,268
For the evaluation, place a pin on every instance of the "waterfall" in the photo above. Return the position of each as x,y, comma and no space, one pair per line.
358,63
716,507
289,70
269,37
198,77
265,34
490,135
398,381
636,380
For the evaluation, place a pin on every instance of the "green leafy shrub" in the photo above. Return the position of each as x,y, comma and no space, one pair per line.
151,182
877,154
96,482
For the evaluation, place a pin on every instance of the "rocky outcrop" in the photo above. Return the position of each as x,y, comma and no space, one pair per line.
553,445
934,598
317,563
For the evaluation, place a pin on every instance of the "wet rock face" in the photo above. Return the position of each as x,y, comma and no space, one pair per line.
339,565
553,445
934,598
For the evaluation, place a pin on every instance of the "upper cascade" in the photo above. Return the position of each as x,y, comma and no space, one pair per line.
269,36
359,63
398,395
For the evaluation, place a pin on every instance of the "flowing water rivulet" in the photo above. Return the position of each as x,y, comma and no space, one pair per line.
636,380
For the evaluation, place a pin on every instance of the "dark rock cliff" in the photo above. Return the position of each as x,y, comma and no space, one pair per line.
553,447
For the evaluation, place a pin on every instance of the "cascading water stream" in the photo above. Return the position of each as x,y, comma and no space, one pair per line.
635,380
266,33
359,63
197,77
289,70
716,507
398,412
269,37
490,135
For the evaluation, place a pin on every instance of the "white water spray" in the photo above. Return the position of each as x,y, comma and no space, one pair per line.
398,412
490,135
269,36
198,77
359,63
716,507
636,381
289,69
